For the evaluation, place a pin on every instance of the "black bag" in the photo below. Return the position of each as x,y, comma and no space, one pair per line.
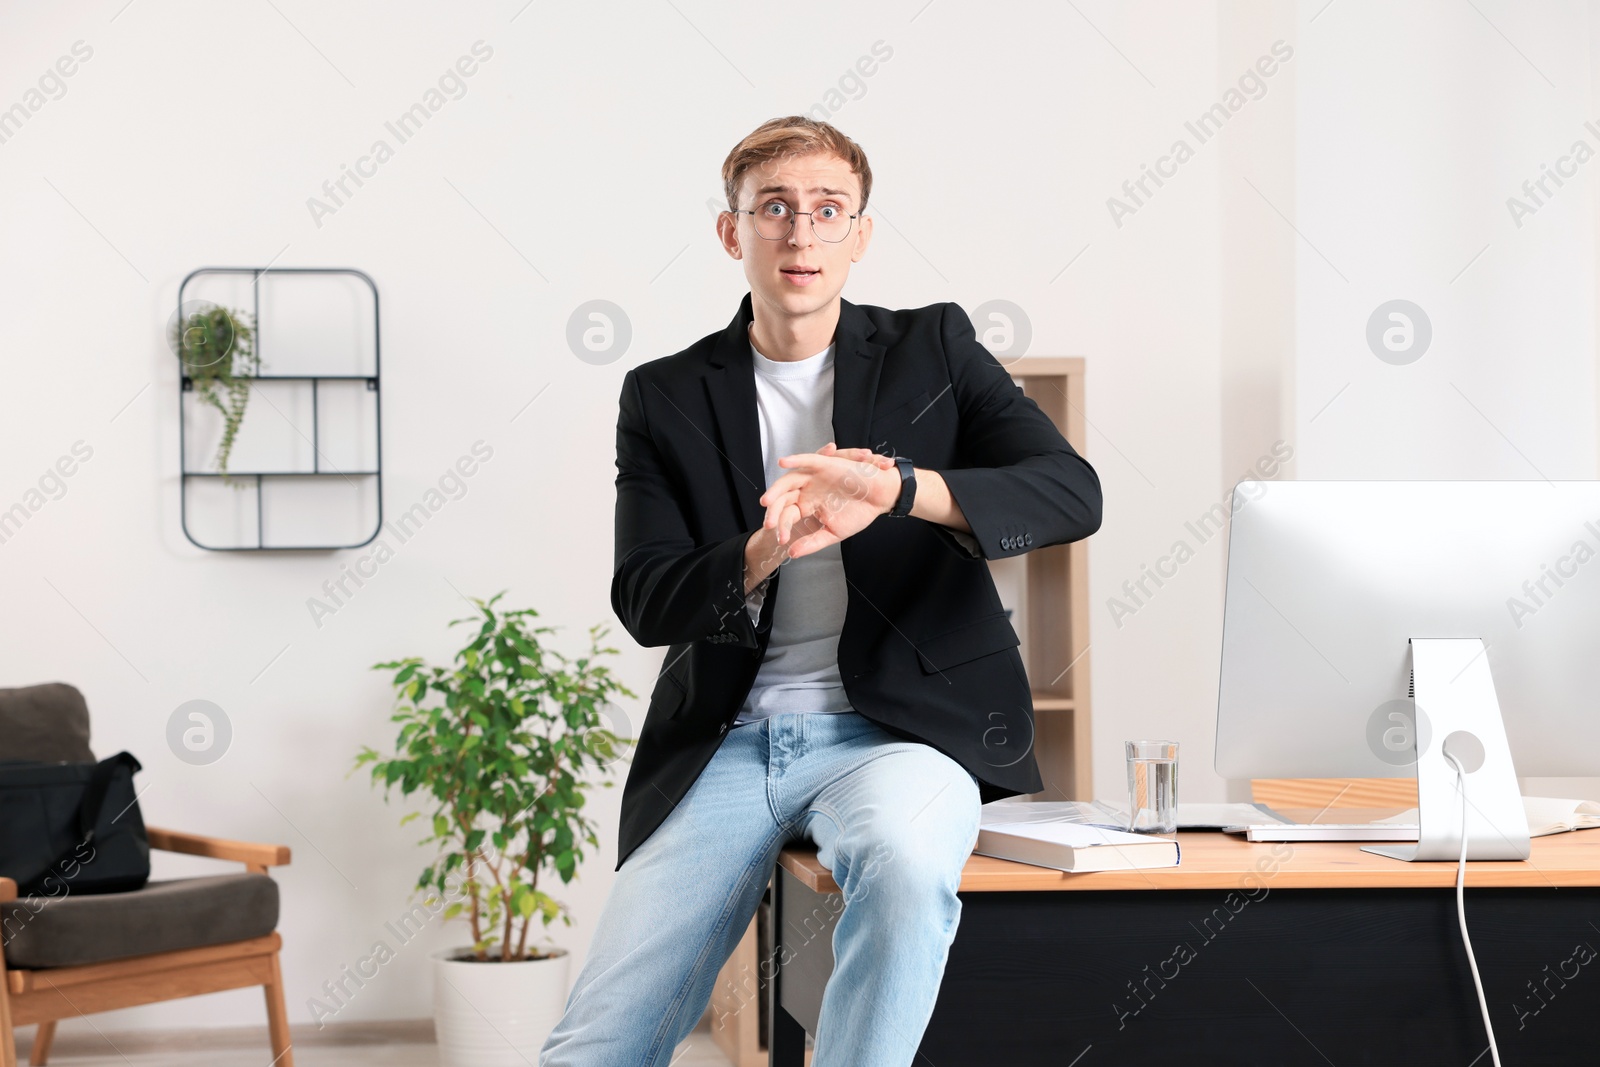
72,827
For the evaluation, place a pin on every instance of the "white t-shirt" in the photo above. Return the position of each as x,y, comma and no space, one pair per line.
800,672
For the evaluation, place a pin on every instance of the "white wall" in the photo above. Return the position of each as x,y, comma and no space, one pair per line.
196,133
1416,124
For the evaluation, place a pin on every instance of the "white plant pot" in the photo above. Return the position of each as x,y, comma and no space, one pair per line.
496,1014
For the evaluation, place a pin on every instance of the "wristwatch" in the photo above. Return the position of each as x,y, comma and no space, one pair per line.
908,488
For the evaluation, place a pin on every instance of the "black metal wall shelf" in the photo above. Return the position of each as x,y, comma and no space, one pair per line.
186,384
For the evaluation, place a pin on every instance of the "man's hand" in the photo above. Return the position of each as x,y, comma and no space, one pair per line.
827,496
864,486
788,531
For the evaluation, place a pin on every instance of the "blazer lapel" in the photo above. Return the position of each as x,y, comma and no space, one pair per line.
857,362
731,392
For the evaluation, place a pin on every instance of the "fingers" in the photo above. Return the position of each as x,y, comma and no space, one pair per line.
776,503
866,455
808,477
805,462
810,542
857,455
790,487
795,528
803,459
785,483
787,487
788,515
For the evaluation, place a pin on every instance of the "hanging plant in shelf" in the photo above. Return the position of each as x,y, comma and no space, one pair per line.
217,348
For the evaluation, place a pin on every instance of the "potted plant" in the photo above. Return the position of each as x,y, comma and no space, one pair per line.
501,745
217,348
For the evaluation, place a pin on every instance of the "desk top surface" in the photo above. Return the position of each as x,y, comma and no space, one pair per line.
1212,860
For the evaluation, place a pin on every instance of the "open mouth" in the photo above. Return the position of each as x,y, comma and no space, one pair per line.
801,275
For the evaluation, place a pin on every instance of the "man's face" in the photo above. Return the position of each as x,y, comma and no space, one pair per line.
772,267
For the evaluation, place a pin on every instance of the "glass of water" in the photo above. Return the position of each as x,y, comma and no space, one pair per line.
1153,787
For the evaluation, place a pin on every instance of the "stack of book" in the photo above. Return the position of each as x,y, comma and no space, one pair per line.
1068,836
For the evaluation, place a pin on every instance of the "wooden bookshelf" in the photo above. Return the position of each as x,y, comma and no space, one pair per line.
1055,614
1054,625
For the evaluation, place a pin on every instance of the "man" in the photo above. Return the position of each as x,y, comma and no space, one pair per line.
839,665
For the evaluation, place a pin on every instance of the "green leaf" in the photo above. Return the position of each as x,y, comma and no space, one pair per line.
506,740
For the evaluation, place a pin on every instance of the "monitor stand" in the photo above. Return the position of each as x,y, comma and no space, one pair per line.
1456,700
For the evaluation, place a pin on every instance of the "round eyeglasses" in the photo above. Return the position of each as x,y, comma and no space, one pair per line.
775,220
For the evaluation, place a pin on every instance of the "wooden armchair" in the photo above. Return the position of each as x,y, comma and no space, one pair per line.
66,956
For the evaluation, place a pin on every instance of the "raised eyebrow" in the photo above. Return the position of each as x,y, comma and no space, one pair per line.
841,193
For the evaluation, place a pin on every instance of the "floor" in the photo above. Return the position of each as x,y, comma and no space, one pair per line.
349,1045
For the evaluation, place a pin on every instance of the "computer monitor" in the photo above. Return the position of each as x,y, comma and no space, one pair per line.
1483,595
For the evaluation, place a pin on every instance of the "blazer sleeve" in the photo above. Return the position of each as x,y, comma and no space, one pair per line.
1025,487
665,588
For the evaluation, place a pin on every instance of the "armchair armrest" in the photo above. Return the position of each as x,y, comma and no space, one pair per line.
8,890
254,856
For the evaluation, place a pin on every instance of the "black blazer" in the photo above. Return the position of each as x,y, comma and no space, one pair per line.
926,651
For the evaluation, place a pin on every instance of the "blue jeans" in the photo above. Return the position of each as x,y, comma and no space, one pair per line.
894,821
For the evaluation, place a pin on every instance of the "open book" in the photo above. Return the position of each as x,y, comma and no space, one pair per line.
1546,815
1060,836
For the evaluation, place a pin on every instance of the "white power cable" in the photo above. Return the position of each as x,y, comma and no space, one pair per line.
1461,906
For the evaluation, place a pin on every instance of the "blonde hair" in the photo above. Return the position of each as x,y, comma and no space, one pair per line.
793,135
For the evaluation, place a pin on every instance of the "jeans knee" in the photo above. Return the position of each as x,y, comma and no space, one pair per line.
911,876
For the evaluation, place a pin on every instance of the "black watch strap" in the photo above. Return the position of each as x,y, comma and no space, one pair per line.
908,488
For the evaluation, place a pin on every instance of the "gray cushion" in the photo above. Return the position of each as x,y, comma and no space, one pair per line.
161,917
48,722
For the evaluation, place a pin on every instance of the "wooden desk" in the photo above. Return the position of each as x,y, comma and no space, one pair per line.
1266,954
